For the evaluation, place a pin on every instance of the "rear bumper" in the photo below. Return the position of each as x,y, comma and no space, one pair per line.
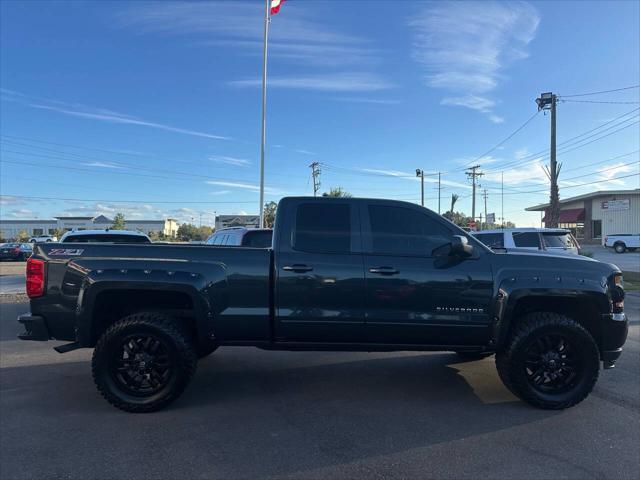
615,327
35,328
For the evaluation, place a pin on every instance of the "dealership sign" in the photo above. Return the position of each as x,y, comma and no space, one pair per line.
615,205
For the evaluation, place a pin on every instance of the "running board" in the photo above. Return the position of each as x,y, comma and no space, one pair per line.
67,347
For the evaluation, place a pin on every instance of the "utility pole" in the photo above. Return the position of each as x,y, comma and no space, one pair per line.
485,204
473,174
315,173
420,174
502,197
439,190
548,101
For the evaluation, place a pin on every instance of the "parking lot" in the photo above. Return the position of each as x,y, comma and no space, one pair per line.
251,413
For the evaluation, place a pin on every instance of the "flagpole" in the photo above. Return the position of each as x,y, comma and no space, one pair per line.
264,109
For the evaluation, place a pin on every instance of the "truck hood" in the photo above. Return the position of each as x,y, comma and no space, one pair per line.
554,262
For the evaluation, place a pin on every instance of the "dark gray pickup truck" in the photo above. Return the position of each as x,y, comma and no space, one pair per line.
343,274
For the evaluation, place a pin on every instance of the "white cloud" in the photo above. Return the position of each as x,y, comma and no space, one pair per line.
304,35
22,213
528,173
220,192
102,165
10,200
100,114
411,176
328,82
234,161
464,48
242,186
379,101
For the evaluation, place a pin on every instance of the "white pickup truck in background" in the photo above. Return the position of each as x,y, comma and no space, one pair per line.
623,242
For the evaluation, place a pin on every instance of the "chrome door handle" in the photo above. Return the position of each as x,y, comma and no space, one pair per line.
384,271
297,268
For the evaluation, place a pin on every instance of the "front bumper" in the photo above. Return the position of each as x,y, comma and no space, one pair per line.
35,328
615,327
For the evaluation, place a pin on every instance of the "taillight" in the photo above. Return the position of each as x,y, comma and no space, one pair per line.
35,278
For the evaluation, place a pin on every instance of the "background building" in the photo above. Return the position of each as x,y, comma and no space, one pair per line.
595,215
248,221
9,229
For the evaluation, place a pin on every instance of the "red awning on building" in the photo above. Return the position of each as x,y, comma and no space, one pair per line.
570,215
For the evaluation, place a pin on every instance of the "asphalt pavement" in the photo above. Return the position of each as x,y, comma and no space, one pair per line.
12,284
628,261
257,414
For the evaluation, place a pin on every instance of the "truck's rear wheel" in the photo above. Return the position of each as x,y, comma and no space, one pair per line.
143,362
620,247
550,361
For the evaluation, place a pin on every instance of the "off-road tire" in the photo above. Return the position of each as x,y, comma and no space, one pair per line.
510,362
181,356
619,247
472,356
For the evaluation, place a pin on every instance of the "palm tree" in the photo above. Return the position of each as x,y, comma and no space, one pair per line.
337,192
454,199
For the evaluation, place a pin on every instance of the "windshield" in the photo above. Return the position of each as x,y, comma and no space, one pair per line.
558,240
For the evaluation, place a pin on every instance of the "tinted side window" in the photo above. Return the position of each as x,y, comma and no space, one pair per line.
495,240
323,228
260,239
403,231
562,240
526,239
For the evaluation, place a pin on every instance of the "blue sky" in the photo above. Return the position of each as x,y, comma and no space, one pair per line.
119,106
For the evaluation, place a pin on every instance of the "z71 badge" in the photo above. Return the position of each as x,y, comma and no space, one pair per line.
66,251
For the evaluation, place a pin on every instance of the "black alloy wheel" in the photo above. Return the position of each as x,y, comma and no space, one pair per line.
144,361
550,360
141,365
552,365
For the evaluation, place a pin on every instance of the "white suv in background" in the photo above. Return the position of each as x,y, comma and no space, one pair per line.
43,238
556,240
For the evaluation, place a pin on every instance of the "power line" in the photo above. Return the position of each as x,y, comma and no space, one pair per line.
565,148
599,101
499,144
573,140
112,201
601,91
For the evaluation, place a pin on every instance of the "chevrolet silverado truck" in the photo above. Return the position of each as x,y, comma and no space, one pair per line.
342,275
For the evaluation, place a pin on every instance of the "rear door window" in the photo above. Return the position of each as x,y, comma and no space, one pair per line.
526,239
323,228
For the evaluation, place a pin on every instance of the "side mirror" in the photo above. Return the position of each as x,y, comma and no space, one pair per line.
460,246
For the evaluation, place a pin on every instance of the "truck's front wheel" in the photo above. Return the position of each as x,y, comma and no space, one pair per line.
550,361
143,362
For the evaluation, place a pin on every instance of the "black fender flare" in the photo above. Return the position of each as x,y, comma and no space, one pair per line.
512,290
202,290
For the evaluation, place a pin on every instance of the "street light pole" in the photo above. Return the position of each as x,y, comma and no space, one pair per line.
420,173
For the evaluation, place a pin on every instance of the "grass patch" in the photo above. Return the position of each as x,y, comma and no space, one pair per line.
631,281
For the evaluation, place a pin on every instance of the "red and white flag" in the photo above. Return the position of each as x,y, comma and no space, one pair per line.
275,6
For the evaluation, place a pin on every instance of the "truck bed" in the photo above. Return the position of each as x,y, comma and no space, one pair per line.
226,289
